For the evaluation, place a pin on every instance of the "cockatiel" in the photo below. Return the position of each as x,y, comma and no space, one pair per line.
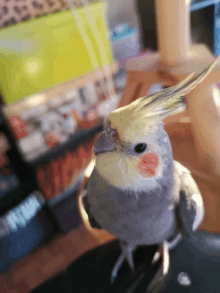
137,192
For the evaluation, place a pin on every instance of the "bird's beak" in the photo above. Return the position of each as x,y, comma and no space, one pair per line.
103,145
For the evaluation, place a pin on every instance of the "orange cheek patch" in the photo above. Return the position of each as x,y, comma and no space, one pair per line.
148,164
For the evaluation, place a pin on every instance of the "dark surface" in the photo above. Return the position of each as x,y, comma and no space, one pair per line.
92,271
198,256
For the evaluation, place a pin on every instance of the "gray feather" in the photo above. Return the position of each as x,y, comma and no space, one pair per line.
142,218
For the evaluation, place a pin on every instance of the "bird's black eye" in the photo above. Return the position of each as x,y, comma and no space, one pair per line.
140,148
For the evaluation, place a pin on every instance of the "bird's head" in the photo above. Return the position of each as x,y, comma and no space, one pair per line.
134,147
132,144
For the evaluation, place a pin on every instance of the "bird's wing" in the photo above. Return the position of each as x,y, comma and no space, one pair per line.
86,205
190,207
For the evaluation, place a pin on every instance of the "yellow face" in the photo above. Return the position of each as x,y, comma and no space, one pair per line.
135,160
128,172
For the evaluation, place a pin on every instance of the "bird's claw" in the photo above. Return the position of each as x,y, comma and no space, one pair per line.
156,257
126,254
165,257
113,276
163,252
117,267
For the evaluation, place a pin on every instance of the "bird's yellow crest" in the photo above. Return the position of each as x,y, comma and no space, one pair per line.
142,117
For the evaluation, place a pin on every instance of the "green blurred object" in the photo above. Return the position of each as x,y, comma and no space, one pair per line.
46,52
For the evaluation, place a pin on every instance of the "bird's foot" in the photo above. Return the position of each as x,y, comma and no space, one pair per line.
170,244
126,254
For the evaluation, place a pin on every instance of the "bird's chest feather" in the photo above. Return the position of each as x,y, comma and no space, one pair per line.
127,214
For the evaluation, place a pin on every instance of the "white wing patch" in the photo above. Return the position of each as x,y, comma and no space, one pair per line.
185,182
197,198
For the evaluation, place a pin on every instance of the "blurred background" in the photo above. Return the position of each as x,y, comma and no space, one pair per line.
63,70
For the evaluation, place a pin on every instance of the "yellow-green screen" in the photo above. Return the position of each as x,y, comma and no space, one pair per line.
48,51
